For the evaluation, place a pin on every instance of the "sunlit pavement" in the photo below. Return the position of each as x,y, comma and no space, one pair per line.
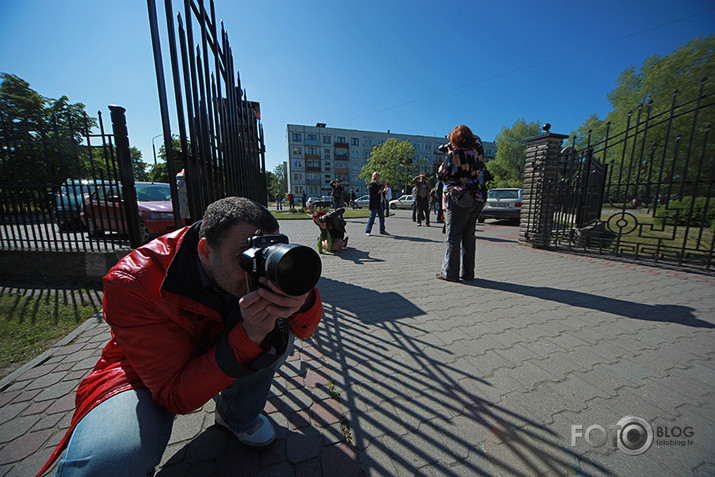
528,370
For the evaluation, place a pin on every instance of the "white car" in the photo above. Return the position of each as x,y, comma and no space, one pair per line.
404,202
363,201
502,204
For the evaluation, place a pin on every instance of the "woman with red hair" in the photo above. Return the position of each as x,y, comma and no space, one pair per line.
463,176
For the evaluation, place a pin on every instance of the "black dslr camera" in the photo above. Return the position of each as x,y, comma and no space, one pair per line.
444,148
295,269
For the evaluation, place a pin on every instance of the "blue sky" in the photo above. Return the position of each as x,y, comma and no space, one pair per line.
412,67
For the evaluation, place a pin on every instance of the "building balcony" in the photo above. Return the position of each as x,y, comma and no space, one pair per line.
341,145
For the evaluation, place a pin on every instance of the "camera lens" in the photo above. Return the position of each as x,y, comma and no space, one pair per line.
294,268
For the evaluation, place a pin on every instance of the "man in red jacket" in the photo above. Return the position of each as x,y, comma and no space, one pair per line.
185,329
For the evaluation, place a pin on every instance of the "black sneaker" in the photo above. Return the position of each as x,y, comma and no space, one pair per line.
384,233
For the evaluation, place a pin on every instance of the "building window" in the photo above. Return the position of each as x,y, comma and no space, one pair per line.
354,154
342,140
368,142
355,141
417,146
298,177
326,153
327,178
312,150
311,137
297,137
297,151
326,139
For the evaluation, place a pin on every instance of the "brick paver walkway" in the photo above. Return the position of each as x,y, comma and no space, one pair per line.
408,375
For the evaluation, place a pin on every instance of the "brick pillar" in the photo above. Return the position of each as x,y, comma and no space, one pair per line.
540,175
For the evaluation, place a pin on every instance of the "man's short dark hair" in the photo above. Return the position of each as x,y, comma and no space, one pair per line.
223,214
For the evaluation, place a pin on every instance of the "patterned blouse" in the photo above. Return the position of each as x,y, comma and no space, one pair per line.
464,169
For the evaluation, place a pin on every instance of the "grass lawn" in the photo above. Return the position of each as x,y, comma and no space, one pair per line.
650,233
29,325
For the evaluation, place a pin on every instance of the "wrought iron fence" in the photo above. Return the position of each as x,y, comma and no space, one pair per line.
221,138
50,170
645,192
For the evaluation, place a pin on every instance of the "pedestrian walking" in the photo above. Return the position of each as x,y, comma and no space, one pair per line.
279,201
353,198
463,176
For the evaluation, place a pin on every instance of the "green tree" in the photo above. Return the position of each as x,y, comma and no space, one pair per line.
56,126
509,163
159,172
647,94
278,180
395,161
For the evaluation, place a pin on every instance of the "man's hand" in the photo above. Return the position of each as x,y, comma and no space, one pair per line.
261,308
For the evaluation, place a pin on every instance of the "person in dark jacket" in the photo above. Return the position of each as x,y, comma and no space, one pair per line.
185,329
377,194
338,189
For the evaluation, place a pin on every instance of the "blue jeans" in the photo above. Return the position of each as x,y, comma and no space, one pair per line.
460,223
127,434
371,220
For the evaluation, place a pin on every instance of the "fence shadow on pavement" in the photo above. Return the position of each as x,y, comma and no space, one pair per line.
412,404
666,313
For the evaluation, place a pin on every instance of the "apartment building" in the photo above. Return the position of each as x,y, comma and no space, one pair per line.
318,154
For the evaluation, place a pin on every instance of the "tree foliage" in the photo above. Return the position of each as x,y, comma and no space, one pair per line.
277,180
46,140
509,162
640,128
395,161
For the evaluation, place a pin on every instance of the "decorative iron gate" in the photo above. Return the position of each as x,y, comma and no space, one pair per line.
644,193
221,138
48,173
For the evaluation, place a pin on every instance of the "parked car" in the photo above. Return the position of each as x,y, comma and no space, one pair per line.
502,204
104,210
70,198
363,201
404,202
322,202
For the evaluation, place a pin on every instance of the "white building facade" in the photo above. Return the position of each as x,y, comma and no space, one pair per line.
318,154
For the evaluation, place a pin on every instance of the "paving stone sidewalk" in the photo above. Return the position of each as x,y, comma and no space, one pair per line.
408,375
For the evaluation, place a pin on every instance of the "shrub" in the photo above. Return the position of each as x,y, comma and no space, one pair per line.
677,212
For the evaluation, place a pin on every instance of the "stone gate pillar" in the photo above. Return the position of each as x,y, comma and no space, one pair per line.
540,175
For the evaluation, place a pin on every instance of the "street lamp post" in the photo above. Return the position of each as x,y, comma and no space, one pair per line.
154,147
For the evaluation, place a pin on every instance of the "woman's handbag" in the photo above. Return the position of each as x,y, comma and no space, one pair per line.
462,198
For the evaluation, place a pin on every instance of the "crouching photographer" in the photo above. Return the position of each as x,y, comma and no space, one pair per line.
332,230
208,311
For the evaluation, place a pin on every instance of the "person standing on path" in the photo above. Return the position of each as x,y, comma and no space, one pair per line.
388,198
463,175
338,189
421,197
376,192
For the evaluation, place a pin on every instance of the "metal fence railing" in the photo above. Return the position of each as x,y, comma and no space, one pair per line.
50,174
646,192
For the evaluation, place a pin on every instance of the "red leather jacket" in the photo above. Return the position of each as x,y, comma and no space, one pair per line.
168,332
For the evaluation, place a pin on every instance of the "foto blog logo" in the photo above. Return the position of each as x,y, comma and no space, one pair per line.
633,435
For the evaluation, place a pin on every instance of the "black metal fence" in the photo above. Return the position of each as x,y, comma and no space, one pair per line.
219,132
49,169
645,192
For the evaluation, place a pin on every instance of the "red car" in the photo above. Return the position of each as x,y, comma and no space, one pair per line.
104,210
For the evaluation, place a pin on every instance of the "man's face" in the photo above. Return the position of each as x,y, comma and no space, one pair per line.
222,263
